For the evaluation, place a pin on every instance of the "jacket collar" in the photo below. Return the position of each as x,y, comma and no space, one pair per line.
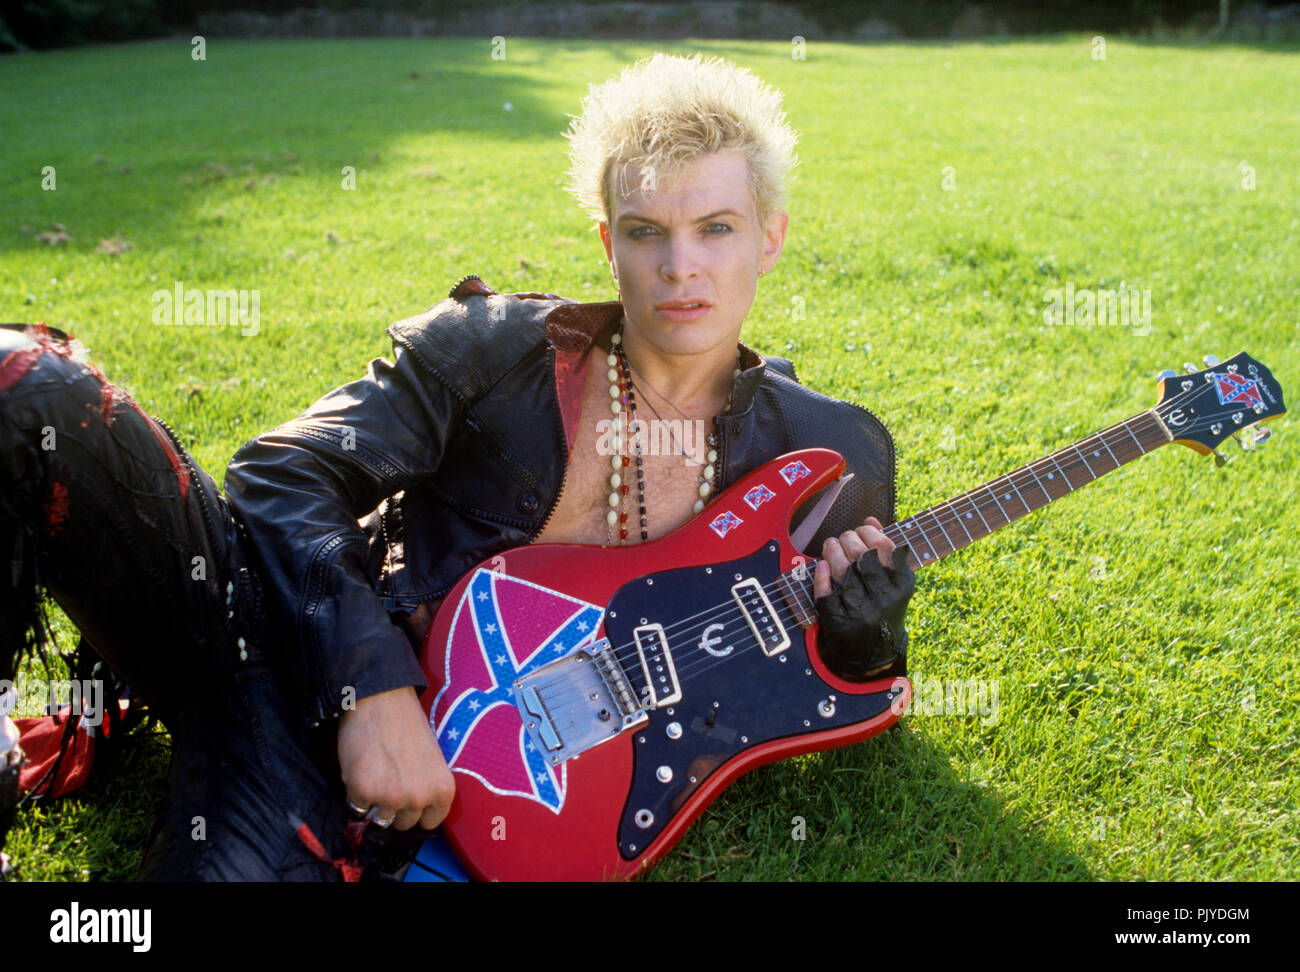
574,327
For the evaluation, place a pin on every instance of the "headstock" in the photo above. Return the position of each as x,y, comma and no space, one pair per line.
1202,408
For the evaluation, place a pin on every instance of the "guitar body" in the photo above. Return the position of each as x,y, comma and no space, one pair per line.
593,701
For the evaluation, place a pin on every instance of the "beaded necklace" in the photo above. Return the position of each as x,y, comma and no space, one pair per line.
623,405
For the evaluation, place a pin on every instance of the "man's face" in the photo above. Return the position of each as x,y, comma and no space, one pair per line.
697,239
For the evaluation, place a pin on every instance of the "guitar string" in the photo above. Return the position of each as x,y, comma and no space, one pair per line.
629,653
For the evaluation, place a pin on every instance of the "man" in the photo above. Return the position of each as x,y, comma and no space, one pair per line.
301,703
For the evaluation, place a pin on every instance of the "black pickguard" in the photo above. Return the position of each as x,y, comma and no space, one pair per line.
758,698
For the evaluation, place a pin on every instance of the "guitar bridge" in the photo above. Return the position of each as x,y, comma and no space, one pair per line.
577,702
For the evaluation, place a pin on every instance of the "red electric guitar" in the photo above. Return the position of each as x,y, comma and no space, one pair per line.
592,701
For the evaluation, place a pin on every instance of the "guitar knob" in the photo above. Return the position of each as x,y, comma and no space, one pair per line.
1262,435
1190,368
1210,360
1167,373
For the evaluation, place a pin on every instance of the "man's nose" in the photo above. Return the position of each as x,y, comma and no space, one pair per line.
682,258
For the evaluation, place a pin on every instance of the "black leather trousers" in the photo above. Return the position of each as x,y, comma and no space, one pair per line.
104,507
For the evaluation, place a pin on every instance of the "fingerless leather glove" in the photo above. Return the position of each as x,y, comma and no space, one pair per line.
861,633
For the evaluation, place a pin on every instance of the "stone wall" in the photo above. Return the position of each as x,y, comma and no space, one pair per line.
728,19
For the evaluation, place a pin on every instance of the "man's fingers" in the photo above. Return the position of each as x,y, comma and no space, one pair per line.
833,553
899,557
873,536
821,579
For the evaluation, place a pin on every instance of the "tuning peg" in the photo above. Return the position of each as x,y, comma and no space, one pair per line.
1253,437
1210,360
1167,373
1190,368
1219,458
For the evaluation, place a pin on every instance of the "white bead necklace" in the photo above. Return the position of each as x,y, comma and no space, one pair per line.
623,406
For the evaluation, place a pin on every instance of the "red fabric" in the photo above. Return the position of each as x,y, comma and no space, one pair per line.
573,329
347,866
16,364
40,738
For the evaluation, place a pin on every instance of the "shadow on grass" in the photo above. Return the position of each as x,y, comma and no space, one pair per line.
146,149
888,809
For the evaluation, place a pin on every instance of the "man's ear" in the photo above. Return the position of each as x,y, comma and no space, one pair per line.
774,237
607,239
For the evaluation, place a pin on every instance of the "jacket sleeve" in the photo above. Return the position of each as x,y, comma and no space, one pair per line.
300,489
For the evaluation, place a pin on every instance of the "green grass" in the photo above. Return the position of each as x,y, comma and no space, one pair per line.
1148,723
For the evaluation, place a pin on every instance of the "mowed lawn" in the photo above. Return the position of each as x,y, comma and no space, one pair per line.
1141,635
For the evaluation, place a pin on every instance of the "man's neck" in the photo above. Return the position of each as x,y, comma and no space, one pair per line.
695,385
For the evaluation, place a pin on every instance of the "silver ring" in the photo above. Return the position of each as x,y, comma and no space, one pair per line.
359,811
384,822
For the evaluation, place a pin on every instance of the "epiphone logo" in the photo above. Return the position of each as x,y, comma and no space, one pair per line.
708,641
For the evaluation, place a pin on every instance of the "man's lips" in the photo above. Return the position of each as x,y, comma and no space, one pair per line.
682,305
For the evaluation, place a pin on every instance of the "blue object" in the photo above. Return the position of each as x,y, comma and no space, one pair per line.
436,862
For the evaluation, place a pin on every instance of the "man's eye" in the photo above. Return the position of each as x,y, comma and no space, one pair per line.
717,229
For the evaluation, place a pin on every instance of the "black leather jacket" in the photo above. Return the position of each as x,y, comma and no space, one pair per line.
455,451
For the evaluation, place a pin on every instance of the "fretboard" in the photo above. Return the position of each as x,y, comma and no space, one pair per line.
936,532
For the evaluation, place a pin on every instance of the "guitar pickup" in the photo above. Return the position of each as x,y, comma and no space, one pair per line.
661,685
761,617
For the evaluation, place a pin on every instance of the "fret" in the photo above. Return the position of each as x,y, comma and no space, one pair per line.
1047,497
1012,480
912,520
1102,437
1129,429
966,497
1078,452
1068,485
916,554
992,492
1008,484
934,516
796,591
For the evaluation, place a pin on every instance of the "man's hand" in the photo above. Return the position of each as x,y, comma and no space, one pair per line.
390,760
860,614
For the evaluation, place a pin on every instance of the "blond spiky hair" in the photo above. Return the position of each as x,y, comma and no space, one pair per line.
664,112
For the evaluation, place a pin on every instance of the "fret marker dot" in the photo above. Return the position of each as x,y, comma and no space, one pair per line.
968,516
1006,496
1095,454
1050,475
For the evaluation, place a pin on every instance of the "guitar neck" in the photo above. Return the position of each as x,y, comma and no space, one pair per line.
936,532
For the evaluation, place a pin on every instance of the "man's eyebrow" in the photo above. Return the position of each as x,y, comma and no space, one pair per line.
702,219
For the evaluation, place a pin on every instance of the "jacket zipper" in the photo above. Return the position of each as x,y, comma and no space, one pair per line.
314,592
